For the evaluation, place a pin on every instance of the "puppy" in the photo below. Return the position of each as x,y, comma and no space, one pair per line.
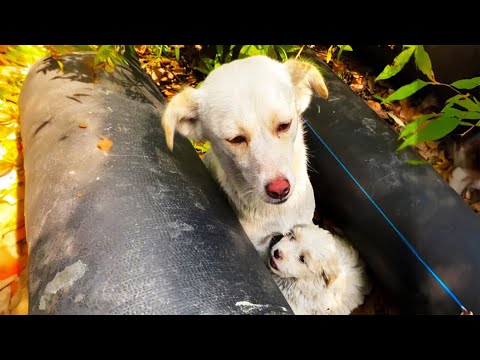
318,273
251,112
466,162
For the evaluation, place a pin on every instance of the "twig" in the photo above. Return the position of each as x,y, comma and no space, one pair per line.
466,132
299,52
447,85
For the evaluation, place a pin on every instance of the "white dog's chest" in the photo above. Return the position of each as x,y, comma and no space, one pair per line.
261,230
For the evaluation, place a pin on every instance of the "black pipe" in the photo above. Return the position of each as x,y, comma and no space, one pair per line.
130,230
353,149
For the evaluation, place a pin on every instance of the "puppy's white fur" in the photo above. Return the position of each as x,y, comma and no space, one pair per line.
318,273
251,98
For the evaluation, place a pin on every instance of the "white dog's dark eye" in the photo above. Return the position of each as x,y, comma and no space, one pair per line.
237,140
284,127
302,259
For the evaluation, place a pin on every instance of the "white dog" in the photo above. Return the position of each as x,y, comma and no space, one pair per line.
318,273
251,112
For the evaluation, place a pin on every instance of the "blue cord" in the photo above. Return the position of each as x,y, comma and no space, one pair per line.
412,249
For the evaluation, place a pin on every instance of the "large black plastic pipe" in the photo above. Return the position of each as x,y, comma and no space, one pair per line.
394,212
132,230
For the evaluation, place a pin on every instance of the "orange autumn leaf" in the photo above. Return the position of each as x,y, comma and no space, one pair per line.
104,144
8,265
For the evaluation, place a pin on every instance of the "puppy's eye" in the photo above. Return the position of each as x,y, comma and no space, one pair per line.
237,140
284,127
302,259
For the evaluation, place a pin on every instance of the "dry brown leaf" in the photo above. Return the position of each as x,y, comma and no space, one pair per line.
426,152
179,71
7,281
5,300
432,144
154,76
374,105
357,87
104,144
168,93
377,108
476,206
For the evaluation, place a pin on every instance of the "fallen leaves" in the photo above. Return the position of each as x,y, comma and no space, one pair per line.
166,72
104,143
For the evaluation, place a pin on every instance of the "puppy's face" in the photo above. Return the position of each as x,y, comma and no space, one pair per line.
308,252
250,110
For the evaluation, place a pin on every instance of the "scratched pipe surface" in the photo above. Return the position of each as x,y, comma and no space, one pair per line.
443,230
135,229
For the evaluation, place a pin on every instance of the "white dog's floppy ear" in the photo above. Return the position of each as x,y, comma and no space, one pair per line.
181,114
305,77
329,272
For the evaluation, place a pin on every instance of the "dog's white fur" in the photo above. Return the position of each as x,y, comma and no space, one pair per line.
251,98
332,278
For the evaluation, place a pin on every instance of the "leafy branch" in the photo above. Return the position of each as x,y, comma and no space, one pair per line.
460,109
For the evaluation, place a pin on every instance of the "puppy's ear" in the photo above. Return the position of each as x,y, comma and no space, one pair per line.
305,77
181,114
329,272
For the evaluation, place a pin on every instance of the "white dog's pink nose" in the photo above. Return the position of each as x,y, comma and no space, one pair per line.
278,188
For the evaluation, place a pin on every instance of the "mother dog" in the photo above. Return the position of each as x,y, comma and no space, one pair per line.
251,112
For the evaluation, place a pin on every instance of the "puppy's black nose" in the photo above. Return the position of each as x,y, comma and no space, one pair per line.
277,255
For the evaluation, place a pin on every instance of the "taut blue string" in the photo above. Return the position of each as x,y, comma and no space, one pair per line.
412,249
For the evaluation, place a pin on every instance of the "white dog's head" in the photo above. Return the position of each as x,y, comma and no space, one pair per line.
250,110
307,252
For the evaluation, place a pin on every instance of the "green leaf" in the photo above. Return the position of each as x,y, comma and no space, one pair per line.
157,50
203,71
466,84
343,48
434,130
414,125
462,114
422,60
378,97
177,53
468,104
407,90
398,64
271,52
250,50
417,162
219,49
288,49
470,115
451,101
281,51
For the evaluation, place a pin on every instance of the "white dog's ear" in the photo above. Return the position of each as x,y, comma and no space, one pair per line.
329,272
305,77
181,114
